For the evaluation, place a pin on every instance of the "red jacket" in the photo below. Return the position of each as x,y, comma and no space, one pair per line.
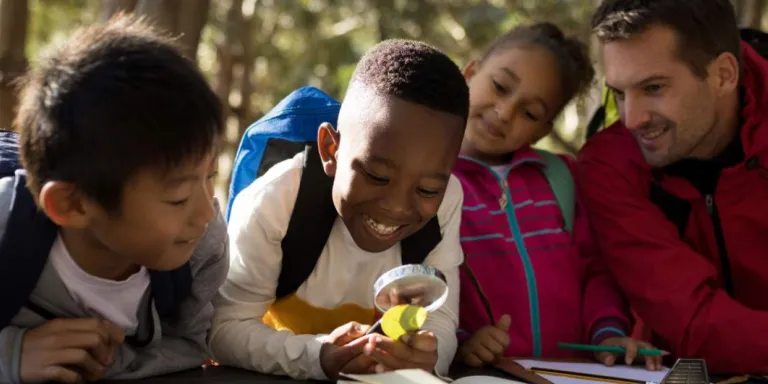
675,283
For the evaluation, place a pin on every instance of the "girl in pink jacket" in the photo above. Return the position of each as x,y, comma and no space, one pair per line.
528,283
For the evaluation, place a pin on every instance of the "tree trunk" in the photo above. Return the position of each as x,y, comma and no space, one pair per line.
191,19
13,63
184,19
110,7
752,13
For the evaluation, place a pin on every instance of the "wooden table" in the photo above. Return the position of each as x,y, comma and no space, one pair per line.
217,375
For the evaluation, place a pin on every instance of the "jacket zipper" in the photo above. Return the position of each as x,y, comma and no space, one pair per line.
725,263
505,202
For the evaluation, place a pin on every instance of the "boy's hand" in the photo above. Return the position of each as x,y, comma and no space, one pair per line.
343,351
412,351
653,363
487,344
69,350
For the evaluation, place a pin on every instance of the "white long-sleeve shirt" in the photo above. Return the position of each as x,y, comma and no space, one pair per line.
287,340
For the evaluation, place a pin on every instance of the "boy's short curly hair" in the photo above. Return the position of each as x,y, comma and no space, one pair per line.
416,72
115,98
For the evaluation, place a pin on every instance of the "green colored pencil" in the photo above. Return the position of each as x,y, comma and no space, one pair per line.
612,349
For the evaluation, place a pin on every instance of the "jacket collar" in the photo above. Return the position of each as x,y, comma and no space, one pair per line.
754,130
525,155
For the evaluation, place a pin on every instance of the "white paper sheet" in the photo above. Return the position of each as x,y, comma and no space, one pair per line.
415,376
403,376
485,380
619,371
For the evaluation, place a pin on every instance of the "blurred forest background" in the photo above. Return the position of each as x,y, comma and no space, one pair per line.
255,52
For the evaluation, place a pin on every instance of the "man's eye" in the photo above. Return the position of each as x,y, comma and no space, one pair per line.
653,88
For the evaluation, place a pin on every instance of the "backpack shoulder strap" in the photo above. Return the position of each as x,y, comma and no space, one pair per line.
309,227
170,288
24,249
561,181
417,246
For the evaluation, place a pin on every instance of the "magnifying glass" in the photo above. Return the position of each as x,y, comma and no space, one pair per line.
405,295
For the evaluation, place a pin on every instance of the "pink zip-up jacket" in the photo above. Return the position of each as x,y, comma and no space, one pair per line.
554,287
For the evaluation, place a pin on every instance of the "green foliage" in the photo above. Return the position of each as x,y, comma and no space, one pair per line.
54,20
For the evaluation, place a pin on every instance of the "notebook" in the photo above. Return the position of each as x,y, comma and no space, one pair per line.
418,376
631,374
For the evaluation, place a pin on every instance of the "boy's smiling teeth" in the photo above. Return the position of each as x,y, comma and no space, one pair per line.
380,228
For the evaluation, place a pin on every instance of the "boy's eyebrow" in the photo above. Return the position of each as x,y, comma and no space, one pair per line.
179,179
175,181
391,164
640,83
510,73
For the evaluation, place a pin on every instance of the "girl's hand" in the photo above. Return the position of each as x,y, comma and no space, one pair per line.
653,363
487,344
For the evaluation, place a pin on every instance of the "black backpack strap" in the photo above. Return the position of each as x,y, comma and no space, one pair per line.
24,249
309,227
598,118
677,210
416,247
170,288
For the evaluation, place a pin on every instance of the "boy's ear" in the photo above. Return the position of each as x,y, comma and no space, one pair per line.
328,140
470,69
64,204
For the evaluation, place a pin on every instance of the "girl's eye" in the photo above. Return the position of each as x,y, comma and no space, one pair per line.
499,88
531,116
428,192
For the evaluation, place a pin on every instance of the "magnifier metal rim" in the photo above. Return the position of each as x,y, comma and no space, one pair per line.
409,270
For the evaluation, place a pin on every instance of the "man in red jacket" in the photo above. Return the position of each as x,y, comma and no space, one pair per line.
678,189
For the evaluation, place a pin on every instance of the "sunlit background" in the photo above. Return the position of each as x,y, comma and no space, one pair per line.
255,52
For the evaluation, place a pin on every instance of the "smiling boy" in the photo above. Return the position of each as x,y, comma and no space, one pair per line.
399,132
118,135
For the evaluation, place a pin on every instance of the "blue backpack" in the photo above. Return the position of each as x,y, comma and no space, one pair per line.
27,241
289,128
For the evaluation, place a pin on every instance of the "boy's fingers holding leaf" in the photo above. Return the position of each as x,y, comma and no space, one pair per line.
346,333
359,364
422,341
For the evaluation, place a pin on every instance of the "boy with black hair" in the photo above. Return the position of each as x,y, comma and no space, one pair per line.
114,277
388,168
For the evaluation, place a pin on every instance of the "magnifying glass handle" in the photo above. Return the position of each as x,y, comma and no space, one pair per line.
375,328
